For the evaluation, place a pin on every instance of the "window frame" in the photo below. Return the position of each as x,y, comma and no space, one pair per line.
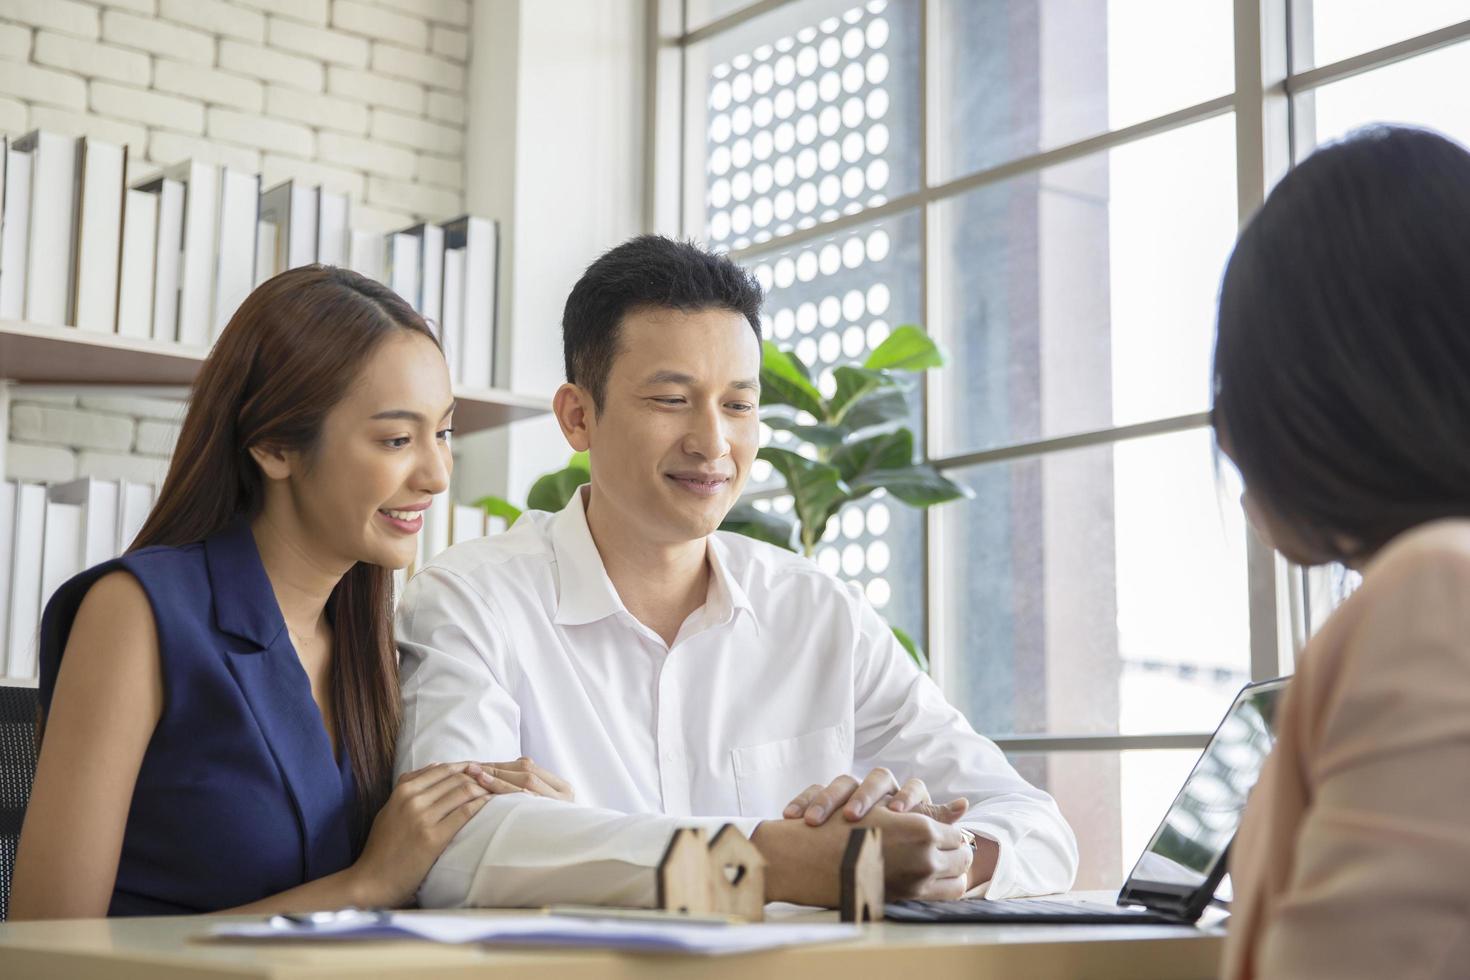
1273,129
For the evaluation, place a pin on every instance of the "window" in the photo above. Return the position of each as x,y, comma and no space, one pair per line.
1052,188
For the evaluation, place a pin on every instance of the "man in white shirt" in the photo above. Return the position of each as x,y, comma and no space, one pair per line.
677,676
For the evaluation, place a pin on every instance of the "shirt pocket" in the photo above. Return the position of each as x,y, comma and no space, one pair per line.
768,775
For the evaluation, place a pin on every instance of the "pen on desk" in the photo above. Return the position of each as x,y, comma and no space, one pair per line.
328,917
642,915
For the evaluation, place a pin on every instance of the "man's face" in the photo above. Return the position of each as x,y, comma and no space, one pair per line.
673,445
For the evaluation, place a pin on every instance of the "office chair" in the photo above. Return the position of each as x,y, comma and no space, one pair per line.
18,714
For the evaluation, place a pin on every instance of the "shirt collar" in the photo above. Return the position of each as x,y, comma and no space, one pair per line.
725,590
586,594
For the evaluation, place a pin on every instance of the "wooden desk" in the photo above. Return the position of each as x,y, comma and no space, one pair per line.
166,948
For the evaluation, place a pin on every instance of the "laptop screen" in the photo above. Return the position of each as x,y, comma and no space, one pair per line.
1187,849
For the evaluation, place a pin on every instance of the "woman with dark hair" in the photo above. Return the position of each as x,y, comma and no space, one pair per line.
221,703
1342,393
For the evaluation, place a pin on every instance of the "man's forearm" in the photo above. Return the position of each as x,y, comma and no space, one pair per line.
796,871
522,850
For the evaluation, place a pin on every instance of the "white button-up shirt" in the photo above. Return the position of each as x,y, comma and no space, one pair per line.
519,645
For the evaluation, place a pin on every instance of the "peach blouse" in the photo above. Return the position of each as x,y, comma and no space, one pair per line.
1353,857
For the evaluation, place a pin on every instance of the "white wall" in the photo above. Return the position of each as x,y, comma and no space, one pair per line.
554,149
362,97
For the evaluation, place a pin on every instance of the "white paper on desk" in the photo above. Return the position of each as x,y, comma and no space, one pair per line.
551,930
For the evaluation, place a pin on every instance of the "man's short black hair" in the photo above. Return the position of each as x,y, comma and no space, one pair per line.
643,272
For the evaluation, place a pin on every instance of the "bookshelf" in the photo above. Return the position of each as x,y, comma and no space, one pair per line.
40,353
151,270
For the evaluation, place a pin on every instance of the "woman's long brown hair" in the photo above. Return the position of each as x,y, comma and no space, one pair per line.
289,354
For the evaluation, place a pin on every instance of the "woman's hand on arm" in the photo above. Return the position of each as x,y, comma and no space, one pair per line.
522,776
426,809
107,702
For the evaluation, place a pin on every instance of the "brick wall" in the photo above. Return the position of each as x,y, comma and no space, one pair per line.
366,97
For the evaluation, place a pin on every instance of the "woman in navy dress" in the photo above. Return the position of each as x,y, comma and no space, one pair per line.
221,703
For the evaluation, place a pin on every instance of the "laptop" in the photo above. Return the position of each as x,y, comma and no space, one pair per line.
1180,870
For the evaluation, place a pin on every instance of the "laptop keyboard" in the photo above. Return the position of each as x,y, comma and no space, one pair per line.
1019,910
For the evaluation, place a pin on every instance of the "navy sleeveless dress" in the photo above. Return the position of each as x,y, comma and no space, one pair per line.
239,795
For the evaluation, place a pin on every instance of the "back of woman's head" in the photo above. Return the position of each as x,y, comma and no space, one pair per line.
1342,361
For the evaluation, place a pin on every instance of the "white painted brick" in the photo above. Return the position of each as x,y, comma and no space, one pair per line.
42,85
45,464
308,11
163,409
456,12
421,134
156,438
429,202
146,7
325,111
427,68
66,401
168,148
314,42
441,171
380,23
70,427
361,154
59,15
15,42
157,36
376,90
91,59
216,17
153,108
91,124
368,218
261,131
447,108
450,42
13,117
115,466
276,168
270,65
210,84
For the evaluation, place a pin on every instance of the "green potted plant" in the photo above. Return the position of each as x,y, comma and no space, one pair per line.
860,443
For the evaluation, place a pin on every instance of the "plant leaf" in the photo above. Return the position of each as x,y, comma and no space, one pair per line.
580,461
552,491
854,384
817,435
915,652
785,381
762,525
817,487
919,485
500,507
886,451
908,348
883,407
